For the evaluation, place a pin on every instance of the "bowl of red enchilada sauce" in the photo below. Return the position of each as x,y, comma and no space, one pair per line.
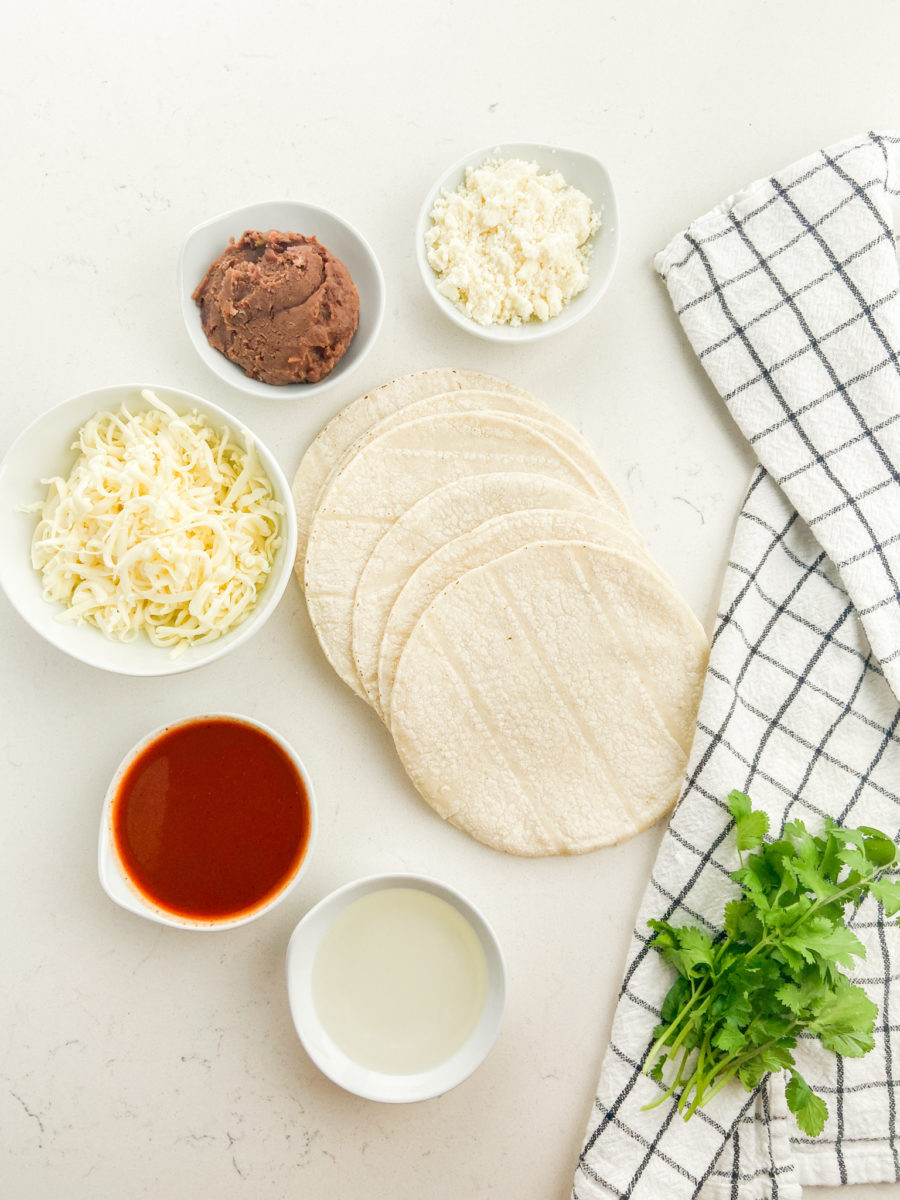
207,824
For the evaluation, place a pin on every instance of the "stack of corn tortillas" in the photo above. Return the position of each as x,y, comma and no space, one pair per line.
472,574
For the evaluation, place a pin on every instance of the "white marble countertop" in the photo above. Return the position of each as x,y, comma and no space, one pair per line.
141,1061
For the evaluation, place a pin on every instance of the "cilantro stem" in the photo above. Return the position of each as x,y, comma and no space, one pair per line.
662,1040
726,1069
702,1096
675,1084
849,888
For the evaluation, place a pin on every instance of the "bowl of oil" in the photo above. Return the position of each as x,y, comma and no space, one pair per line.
396,986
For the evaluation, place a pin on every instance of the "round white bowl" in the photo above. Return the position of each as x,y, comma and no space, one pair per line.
207,241
44,450
582,171
117,883
329,1058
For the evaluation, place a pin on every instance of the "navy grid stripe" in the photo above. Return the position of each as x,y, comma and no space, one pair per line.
878,427
802,409
776,721
878,216
866,494
679,837
839,1114
771,780
824,569
777,538
816,750
866,775
747,1106
845,1141
822,565
799,618
736,1176
783,668
697,916
823,277
651,1150
850,1088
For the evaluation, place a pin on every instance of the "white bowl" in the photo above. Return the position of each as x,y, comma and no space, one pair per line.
44,450
208,240
114,878
582,171
329,1057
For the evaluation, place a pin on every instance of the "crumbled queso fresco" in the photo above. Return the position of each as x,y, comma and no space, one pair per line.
512,243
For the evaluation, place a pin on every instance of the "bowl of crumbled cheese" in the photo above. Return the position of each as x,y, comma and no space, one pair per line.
519,241
145,530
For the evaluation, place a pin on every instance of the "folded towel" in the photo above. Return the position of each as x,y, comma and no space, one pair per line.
789,294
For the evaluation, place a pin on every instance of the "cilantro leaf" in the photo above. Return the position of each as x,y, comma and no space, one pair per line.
751,826
751,1073
736,914
857,862
888,894
696,949
830,864
809,1109
730,1038
878,847
802,994
819,936
845,1019
676,998
849,1042
777,1057
687,949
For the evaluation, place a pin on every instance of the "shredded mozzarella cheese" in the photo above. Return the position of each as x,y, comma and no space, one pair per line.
164,525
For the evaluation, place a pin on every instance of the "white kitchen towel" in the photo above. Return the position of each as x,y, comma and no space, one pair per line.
788,292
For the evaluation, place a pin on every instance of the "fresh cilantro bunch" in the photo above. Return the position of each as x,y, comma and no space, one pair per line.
742,999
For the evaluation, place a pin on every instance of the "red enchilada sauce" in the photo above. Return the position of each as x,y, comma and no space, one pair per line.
211,819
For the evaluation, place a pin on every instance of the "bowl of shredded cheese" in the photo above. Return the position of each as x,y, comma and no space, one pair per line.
519,241
145,530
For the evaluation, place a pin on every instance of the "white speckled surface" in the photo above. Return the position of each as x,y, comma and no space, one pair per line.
141,1061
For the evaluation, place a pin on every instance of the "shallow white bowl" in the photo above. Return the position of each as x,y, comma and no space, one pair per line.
116,881
44,450
329,1058
582,171
206,242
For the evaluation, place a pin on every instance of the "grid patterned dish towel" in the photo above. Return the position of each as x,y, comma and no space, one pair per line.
788,292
